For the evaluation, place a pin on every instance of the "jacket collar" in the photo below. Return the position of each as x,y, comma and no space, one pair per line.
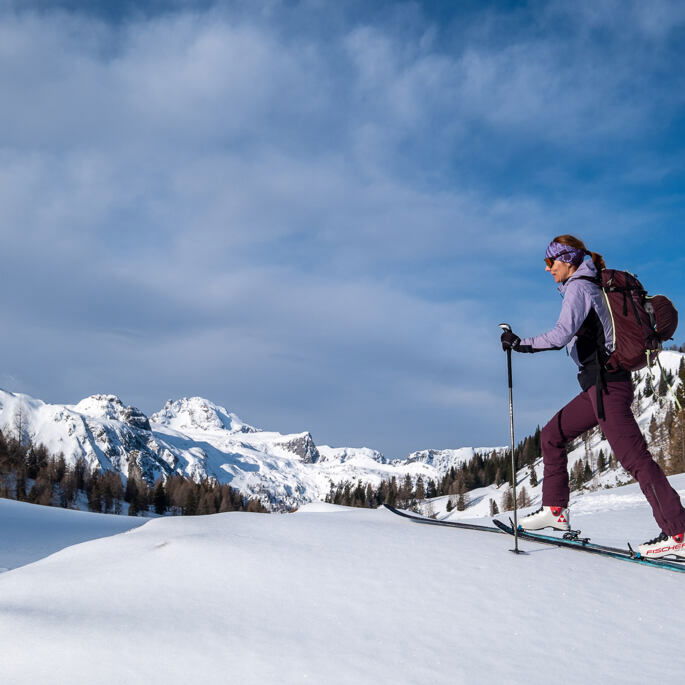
587,268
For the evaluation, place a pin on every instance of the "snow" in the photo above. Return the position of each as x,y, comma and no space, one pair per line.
197,413
31,532
323,507
200,439
364,597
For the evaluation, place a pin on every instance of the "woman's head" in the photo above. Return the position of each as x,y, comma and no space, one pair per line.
565,254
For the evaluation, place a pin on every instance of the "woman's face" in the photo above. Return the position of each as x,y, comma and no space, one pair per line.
561,271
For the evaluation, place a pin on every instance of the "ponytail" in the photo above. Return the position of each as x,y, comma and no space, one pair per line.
598,261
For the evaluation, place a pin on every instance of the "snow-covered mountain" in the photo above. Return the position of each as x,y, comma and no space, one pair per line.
197,438
197,414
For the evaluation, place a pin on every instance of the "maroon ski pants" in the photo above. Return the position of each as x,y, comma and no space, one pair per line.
627,444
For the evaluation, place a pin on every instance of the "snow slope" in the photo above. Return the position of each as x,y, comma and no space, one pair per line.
30,532
337,596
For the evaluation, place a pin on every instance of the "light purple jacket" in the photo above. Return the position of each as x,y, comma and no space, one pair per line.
580,296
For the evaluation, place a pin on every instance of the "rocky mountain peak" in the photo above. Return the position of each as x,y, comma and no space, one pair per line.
303,446
197,413
111,407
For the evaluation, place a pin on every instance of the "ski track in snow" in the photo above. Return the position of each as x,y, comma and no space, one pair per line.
333,595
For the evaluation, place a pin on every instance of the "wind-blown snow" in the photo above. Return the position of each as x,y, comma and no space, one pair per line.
335,595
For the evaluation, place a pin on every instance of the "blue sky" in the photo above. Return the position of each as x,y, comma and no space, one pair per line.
316,213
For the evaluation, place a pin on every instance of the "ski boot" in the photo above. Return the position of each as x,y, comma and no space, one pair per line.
663,546
556,518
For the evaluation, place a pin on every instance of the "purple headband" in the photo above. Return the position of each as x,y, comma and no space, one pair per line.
565,253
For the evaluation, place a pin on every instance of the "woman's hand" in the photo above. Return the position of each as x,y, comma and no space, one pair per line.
511,341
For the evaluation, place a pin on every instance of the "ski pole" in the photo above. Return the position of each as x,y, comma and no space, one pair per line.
507,327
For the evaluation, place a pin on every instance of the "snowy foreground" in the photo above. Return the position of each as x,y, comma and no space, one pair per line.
330,595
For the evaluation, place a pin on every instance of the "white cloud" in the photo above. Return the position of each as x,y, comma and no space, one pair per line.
294,225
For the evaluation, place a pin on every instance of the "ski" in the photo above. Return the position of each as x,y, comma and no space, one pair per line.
585,545
574,542
574,539
437,522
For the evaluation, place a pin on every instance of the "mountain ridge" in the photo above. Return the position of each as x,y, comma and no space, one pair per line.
197,438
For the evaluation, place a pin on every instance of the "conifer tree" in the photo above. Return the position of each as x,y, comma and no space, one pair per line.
523,499
190,500
507,499
653,431
67,489
680,390
226,502
431,489
392,492
94,492
577,476
676,444
370,497
601,462
20,487
420,492
20,425
406,490
649,387
205,504
131,492
80,471
359,495
160,498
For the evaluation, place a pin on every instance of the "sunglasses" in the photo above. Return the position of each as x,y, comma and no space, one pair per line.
550,260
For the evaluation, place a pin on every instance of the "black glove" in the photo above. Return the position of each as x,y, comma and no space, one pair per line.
511,341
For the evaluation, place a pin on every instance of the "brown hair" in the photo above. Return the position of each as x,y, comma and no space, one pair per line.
572,241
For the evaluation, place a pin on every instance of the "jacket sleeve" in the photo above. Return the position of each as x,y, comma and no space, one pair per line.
574,310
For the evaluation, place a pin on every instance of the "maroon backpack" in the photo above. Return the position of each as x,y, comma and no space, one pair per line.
641,323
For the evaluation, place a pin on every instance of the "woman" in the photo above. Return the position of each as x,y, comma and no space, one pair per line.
585,328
